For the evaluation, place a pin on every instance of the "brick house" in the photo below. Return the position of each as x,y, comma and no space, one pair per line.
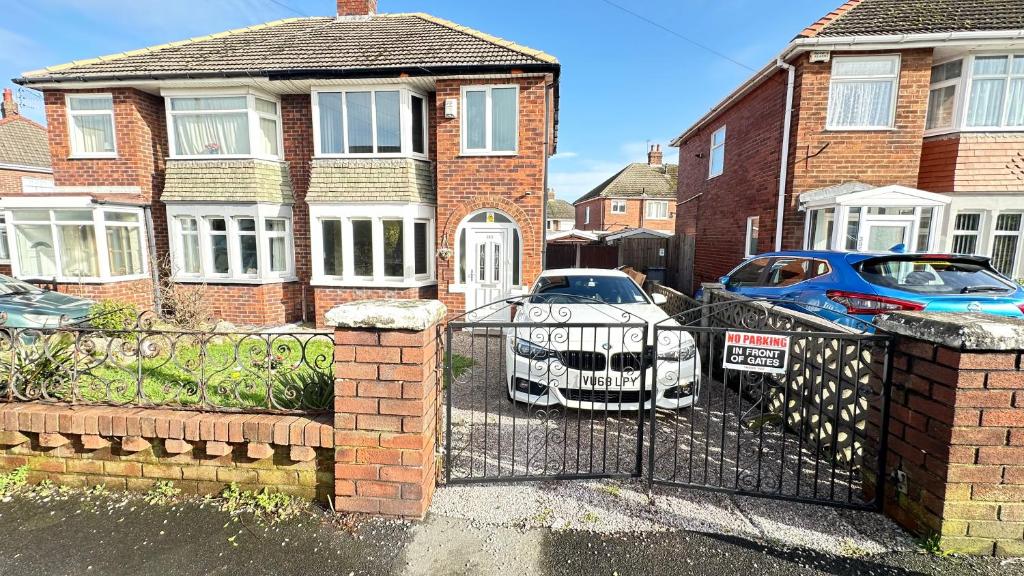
297,164
638,196
561,216
24,162
884,122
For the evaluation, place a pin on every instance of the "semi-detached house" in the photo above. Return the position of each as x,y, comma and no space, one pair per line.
297,164
885,122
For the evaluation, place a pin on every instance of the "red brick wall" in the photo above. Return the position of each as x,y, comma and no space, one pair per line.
602,217
324,297
513,184
138,292
10,180
972,162
256,304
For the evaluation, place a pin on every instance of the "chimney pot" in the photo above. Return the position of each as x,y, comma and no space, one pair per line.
8,107
654,156
357,7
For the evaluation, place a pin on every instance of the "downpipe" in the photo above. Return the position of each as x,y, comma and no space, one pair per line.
784,155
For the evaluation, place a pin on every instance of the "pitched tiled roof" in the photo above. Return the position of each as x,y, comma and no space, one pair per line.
416,42
887,17
559,209
371,180
638,179
227,181
23,143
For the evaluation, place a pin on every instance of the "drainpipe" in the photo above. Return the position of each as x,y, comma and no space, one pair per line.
784,161
544,203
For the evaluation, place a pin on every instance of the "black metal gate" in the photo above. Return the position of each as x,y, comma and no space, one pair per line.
550,394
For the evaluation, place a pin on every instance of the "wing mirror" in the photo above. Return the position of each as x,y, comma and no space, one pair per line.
724,280
659,299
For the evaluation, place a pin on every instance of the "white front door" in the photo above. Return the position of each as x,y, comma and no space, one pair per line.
882,235
488,264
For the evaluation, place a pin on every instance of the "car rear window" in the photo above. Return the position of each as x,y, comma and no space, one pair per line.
585,288
928,276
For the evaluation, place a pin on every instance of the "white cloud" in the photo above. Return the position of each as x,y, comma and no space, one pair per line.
564,155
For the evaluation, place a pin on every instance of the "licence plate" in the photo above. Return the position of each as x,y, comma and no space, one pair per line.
610,382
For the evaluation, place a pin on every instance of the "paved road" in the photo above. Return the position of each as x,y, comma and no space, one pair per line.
122,535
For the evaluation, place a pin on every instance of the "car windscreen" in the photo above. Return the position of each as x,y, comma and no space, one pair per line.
584,289
10,286
934,276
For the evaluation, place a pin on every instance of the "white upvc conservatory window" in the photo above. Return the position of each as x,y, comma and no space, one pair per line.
372,245
86,243
370,122
231,243
490,123
996,92
91,125
862,92
243,125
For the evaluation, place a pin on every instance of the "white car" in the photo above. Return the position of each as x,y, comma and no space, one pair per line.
582,345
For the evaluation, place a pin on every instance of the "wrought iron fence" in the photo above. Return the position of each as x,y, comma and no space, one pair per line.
148,366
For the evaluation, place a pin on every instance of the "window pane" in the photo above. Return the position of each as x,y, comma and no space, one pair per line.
31,215
268,136
218,225
986,105
246,225
91,103
72,215
891,211
418,125
5,250
1017,68
360,123
93,133
120,217
860,104
989,65
941,107
389,125
78,250
331,230
331,123
717,160
247,252
515,257
1004,253
924,231
219,245
718,138
209,103
821,229
846,67
947,71
276,225
1015,115
189,246
853,228
124,250
968,222
1008,223
964,244
503,119
211,134
394,248
753,229
476,123
35,249
266,106
278,259
420,245
462,256
362,247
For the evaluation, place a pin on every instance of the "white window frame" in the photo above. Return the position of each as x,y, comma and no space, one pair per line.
894,98
618,207
662,206
405,123
749,235
346,213
711,154
100,230
994,233
253,122
977,234
968,77
230,213
958,96
72,127
5,245
488,132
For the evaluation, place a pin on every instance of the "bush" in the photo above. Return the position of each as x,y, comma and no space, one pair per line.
41,369
113,315
184,305
312,389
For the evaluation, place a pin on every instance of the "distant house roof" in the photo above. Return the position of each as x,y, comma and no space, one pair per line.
636,232
416,44
887,17
559,209
635,180
23,143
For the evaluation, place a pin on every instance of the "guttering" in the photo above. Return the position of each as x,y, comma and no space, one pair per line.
847,43
787,125
20,168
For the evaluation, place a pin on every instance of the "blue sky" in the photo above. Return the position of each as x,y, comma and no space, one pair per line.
625,82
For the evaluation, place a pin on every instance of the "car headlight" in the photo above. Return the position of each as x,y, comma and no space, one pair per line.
528,349
683,353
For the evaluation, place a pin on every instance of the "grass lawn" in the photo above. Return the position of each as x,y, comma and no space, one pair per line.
460,364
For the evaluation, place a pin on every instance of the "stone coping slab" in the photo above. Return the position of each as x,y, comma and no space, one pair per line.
969,331
385,314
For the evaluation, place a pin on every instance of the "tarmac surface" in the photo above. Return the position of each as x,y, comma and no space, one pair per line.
121,534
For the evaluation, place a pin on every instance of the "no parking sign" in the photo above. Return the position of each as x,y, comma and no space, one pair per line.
756,352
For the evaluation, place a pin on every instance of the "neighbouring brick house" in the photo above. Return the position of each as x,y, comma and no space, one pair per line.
638,196
24,162
906,125
561,216
294,165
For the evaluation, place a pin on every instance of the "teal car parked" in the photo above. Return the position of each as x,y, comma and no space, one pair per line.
29,306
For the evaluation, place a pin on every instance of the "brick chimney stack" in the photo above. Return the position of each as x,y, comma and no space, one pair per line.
9,107
357,7
551,193
654,157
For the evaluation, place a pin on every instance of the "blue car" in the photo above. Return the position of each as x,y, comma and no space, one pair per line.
838,285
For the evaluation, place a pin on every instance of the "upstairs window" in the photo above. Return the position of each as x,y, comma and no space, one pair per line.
656,210
490,122
91,122
386,122
997,92
618,206
226,126
942,96
862,92
717,163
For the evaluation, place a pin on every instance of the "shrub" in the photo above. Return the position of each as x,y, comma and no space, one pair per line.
42,368
184,305
305,389
113,315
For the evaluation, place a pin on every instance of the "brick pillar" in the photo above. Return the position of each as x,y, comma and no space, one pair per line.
385,406
956,430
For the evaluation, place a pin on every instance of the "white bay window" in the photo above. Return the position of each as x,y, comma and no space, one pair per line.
84,243
224,126
231,243
862,92
372,245
369,122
